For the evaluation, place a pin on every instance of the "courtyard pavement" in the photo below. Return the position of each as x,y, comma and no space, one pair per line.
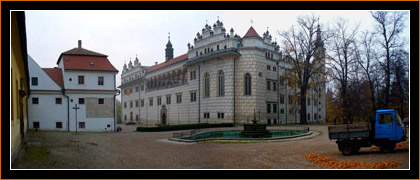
150,150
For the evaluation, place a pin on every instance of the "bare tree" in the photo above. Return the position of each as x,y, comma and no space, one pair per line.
342,60
366,60
399,86
389,26
303,47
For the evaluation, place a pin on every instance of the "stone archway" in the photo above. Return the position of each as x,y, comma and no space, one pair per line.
163,115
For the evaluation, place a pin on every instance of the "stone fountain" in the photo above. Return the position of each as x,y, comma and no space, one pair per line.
255,130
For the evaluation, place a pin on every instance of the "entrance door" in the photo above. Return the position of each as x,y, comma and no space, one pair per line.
164,119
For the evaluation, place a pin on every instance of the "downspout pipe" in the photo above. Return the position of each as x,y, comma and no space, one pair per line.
68,108
199,94
278,91
234,103
115,114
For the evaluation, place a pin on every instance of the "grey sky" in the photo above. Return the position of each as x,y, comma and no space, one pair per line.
123,34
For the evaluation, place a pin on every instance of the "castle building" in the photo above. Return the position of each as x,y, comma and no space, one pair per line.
78,95
223,78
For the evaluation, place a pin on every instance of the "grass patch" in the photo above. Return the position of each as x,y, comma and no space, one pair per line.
182,127
37,152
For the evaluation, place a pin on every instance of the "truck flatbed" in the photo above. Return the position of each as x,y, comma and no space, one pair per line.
348,131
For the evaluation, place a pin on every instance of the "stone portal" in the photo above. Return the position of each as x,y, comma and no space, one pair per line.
163,115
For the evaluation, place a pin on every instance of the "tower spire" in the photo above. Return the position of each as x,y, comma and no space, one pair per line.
169,51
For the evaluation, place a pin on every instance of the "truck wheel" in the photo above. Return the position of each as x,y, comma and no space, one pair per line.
388,148
347,149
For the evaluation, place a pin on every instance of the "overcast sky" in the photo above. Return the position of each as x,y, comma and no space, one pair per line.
124,34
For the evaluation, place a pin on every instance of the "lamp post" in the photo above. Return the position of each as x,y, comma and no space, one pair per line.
76,108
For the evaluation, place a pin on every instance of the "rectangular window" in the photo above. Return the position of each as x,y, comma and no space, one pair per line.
274,108
298,100
315,102
131,104
274,86
268,108
274,68
137,89
137,103
309,117
159,101
281,111
179,98
125,117
281,80
193,97
82,125
268,85
58,101
101,101
281,99
36,125
58,125
150,101
206,115
137,117
142,103
268,67
168,99
82,101
142,87
81,79
35,101
217,47
34,81
125,104
220,115
309,101
290,99
315,116
100,80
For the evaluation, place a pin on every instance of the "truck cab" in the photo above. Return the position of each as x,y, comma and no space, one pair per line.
388,129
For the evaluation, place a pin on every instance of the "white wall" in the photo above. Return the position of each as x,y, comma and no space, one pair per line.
46,112
91,80
44,81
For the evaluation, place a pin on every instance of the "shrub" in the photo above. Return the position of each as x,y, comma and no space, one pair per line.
183,127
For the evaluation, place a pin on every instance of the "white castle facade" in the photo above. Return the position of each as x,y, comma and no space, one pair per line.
223,78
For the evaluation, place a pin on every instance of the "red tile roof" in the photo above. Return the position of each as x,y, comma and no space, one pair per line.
252,33
56,75
82,52
88,63
164,64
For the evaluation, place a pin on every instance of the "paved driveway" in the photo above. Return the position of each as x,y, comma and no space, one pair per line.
139,150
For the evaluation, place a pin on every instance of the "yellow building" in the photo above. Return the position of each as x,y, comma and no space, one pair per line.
19,85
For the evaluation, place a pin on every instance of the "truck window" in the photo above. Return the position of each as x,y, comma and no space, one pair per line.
385,119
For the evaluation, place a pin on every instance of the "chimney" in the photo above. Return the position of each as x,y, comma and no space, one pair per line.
155,63
80,44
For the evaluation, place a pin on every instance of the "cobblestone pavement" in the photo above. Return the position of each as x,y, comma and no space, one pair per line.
141,150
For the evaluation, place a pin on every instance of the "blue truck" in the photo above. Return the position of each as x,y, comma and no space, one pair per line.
385,132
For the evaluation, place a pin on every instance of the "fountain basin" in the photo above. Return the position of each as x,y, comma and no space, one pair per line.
236,135
255,131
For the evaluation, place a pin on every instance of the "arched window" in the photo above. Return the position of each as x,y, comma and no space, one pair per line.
247,84
221,83
206,85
